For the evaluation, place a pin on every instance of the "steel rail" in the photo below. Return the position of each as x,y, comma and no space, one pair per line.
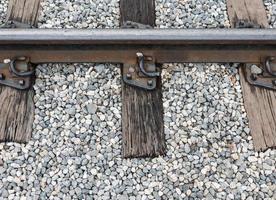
121,45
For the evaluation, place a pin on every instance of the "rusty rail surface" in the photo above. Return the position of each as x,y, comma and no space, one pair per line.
121,45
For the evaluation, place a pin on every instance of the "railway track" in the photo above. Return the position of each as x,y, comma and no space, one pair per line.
130,47
141,53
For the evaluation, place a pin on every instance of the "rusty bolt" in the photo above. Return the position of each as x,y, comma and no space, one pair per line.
150,83
21,82
2,77
129,76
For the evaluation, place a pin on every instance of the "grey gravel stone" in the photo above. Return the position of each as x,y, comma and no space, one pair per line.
91,108
71,111
256,70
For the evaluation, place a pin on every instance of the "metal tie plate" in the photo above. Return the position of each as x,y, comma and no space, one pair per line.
17,73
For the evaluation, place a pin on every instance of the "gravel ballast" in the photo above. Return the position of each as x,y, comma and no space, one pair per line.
191,14
271,12
75,151
3,10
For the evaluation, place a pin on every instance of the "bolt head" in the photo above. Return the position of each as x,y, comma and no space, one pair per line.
21,82
139,55
150,82
129,76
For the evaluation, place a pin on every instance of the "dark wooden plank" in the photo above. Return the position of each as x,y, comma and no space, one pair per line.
17,107
142,111
260,104
140,11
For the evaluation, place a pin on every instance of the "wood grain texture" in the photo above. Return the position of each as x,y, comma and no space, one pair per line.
17,107
142,111
24,11
247,10
16,115
260,103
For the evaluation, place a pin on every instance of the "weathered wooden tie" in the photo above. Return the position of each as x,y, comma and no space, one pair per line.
17,107
260,103
142,111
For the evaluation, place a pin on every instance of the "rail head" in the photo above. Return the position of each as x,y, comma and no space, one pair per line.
138,36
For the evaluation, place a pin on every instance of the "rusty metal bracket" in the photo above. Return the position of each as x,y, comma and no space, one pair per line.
17,73
263,75
143,74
